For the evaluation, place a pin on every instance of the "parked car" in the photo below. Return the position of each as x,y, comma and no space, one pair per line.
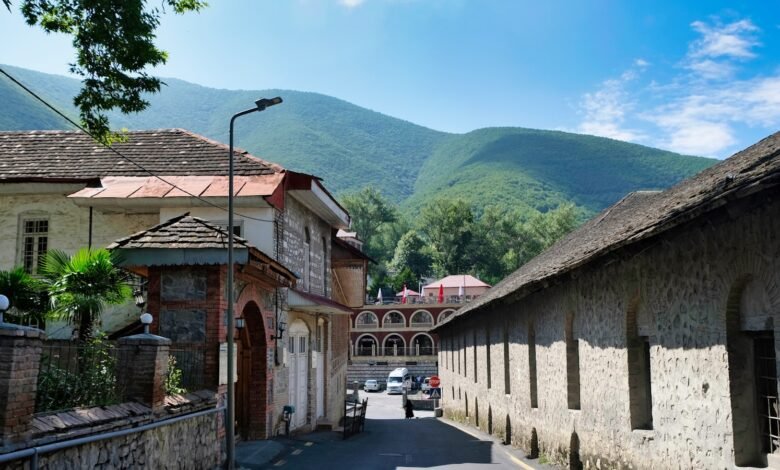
372,385
426,385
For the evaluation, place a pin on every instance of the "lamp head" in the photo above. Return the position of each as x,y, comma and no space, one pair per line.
146,318
240,323
4,303
263,103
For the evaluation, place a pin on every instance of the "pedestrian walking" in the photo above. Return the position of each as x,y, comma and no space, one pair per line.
409,409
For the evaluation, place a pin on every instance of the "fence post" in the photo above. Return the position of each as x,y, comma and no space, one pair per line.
143,365
20,357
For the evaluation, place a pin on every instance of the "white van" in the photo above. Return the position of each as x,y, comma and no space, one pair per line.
398,380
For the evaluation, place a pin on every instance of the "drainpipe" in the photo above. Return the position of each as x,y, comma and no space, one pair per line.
90,227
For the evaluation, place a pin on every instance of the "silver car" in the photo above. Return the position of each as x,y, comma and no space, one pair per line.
371,385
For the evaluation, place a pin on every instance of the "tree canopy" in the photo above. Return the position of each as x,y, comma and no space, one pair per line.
114,44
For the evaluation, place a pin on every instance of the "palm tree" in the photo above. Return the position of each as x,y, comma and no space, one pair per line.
27,295
82,285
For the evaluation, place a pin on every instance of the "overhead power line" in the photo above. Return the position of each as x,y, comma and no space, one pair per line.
117,152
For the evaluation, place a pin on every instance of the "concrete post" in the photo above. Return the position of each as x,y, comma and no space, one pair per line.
20,357
395,349
373,349
417,349
143,362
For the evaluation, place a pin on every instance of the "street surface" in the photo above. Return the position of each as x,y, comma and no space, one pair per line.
392,442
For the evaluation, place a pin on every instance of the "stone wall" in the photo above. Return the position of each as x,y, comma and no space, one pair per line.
679,288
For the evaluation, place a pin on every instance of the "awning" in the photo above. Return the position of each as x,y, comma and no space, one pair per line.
307,302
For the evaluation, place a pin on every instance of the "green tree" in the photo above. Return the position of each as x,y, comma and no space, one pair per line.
405,276
412,252
81,286
448,227
114,44
26,294
370,212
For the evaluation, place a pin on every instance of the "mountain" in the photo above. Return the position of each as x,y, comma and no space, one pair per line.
351,147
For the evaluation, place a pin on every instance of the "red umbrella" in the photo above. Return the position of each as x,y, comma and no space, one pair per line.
441,293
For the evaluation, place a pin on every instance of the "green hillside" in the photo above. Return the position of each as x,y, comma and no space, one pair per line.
527,168
351,147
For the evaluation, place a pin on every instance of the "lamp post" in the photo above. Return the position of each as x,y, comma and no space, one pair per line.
4,304
260,105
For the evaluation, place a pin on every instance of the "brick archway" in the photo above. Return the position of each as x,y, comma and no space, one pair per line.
253,407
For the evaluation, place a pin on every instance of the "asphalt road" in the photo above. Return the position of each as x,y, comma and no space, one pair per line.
392,442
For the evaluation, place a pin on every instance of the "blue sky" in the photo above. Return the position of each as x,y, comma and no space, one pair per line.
694,77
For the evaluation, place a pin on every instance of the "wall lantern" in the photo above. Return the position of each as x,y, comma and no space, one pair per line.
240,323
282,325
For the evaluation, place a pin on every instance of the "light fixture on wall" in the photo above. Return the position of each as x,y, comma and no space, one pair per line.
280,327
138,296
240,323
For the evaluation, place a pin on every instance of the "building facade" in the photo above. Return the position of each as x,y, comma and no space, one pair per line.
61,190
645,339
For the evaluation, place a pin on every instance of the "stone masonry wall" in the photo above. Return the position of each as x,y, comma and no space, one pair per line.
679,288
186,444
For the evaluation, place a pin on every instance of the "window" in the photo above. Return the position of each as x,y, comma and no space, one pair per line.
35,242
507,386
238,226
487,354
532,366
324,267
302,344
393,318
639,385
366,320
474,345
572,364
421,318
306,260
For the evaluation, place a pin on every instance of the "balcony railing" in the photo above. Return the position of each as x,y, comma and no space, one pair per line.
429,300
367,326
396,351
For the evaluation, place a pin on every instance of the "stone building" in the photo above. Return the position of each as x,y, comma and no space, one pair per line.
647,338
61,190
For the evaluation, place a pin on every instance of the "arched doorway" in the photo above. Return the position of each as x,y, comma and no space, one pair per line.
252,366
422,344
394,345
366,345
298,386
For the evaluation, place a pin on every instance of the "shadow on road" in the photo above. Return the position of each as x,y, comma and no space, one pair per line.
390,444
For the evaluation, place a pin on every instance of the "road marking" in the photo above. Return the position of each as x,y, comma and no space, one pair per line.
280,463
297,451
391,455
309,443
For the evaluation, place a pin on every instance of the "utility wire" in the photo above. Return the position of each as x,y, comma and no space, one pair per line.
117,152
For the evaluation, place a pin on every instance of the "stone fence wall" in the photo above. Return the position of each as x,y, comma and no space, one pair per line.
177,439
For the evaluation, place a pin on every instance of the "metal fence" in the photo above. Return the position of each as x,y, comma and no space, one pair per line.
75,374
396,351
190,360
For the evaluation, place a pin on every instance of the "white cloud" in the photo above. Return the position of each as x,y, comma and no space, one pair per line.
714,54
731,40
641,63
351,3
605,109
698,112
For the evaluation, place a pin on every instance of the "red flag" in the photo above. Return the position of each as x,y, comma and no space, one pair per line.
441,293
403,299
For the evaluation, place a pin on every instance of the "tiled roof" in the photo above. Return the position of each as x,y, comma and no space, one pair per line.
457,280
640,216
180,232
30,155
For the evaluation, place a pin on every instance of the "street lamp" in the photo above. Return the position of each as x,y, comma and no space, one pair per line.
260,105
4,304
